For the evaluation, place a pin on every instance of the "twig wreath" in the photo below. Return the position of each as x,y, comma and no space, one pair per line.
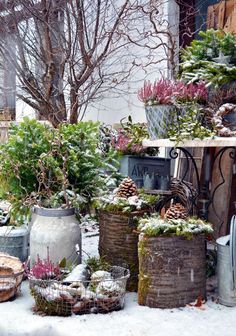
224,128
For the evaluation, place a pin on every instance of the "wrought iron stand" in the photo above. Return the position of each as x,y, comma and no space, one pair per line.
204,196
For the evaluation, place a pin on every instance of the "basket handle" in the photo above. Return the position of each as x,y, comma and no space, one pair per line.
232,251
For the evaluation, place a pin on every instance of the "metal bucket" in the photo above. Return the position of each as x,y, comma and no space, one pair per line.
226,266
15,241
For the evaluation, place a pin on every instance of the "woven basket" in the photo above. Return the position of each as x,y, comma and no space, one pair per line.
80,297
172,271
11,275
118,243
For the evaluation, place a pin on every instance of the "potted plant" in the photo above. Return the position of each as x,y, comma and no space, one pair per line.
172,260
118,214
165,100
211,58
52,171
140,163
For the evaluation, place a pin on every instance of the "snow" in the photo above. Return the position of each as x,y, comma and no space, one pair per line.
17,318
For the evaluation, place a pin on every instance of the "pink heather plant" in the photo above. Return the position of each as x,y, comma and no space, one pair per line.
191,92
125,145
44,269
160,92
165,91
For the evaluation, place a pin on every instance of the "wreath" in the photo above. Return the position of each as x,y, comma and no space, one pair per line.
222,126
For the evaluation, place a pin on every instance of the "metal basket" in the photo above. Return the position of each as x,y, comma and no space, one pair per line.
80,297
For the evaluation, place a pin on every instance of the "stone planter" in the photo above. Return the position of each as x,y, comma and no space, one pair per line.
15,241
158,117
56,231
172,271
118,243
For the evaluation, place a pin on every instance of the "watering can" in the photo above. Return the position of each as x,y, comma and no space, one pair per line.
226,266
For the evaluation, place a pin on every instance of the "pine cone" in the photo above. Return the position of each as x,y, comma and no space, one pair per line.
176,211
127,188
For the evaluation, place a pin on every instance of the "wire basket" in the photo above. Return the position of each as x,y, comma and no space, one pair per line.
54,297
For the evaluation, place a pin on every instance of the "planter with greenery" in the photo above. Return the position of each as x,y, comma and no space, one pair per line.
118,217
167,100
211,58
51,168
172,260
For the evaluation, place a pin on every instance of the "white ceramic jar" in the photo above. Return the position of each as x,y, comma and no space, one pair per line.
56,231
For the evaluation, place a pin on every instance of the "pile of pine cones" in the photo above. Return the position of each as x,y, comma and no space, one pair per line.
127,188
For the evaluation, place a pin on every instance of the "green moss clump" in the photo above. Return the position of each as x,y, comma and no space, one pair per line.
143,286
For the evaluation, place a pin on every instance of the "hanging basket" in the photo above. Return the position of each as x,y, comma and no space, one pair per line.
158,117
172,271
118,243
80,297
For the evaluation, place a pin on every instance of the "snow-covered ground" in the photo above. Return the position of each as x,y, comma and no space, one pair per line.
17,318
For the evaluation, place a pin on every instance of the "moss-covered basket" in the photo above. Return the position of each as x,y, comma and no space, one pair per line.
118,241
172,270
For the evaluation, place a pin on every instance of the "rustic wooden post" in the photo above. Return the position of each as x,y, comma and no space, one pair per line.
219,210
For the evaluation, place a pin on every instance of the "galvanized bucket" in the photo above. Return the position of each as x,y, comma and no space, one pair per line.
226,266
15,241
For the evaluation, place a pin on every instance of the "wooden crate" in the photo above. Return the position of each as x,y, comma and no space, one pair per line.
222,15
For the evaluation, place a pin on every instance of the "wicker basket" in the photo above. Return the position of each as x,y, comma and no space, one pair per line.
11,275
80,297
118,243
172,271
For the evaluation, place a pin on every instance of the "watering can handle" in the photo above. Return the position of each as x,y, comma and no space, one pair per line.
233,251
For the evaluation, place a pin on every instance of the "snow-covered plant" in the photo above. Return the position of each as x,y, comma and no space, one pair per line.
45,269
156,226
189,126
113,203
165,91
211,58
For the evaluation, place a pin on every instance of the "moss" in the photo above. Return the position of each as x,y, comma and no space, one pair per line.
144,280
142,249
143,286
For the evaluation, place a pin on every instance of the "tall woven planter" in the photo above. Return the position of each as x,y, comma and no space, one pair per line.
172,271
158,117
118,243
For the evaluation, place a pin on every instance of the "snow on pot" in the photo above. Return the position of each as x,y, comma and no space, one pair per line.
15,241
58,231
172,269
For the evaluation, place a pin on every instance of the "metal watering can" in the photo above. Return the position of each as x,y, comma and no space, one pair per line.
226,266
